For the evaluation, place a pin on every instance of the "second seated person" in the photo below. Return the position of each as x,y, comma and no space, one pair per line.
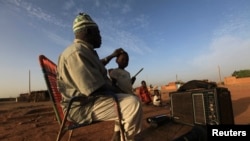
120,76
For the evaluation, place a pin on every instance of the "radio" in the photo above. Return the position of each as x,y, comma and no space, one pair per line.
211,106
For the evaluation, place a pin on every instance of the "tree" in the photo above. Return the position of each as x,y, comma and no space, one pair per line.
241,73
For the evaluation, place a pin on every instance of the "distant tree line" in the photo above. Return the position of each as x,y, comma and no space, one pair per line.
241,73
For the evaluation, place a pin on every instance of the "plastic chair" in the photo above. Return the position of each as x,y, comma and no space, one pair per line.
49,70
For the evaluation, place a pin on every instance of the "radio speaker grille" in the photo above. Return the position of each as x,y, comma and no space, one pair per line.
199,109
182,107
204,107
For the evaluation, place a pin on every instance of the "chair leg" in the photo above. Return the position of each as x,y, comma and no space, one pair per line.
60,134
70,134
122,130
116,136
62,131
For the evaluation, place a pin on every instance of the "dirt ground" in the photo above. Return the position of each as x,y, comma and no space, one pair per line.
36,121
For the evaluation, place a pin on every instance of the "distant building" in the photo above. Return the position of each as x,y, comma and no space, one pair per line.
34,96
231,80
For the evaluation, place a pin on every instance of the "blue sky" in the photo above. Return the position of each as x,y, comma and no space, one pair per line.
170,39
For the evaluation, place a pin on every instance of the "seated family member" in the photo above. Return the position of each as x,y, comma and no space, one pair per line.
144,93
120,77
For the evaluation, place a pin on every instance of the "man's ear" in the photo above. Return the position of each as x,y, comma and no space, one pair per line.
88,31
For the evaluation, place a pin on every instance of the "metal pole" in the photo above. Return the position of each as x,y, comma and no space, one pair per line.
29,84
219,74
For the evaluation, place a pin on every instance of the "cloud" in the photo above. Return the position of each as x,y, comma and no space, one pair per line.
126,8
57,39
229,49
127,40
228,52
68,4
236,25
36,12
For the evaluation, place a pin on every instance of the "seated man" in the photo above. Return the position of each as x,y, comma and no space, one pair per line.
81,72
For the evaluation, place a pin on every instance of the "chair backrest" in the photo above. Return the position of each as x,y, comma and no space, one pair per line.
49,70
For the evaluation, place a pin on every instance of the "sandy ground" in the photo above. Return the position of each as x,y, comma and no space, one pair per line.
36,121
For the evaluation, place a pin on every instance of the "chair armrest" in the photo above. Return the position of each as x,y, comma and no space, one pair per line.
77,99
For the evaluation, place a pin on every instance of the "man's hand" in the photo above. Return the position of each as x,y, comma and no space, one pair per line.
117,52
